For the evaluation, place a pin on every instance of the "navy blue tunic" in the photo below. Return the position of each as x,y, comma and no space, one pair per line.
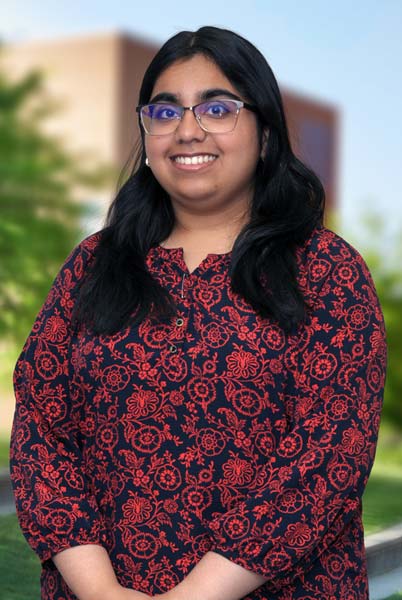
213,430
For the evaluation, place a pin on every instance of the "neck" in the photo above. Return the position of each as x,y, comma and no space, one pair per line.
215,231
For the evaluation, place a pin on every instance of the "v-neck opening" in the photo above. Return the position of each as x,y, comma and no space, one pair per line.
178,252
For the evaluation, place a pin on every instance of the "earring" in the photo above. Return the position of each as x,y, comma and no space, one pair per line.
147,161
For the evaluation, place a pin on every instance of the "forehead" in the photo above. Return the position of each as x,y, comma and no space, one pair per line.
190,77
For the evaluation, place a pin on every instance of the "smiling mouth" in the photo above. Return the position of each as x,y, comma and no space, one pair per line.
194,160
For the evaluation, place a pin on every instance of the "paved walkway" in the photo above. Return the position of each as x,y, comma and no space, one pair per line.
383,586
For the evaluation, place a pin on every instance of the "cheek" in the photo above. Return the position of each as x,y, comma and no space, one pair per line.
247,142
246,153
155,147
149,148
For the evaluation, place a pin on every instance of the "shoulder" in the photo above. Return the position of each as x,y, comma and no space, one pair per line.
324,243
75,266
87,246
325,254
332,272
83,253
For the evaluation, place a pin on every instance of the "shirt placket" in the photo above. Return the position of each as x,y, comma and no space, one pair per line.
181,321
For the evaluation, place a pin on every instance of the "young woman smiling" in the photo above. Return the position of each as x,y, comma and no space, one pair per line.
199,399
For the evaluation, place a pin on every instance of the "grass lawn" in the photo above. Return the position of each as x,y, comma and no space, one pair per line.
4,450
19,566
382,504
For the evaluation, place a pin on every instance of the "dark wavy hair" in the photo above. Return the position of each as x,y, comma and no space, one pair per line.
287,206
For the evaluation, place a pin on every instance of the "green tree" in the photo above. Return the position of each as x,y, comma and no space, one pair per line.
383,254
40,220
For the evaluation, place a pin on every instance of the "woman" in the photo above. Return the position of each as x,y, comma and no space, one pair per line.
199,399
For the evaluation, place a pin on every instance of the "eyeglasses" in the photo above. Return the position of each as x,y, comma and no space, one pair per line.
214,116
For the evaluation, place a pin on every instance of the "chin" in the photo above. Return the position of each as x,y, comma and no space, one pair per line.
193,195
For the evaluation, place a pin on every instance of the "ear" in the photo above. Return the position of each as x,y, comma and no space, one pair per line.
264,141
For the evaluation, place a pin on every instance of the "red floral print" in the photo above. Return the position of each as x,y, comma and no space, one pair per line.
137,509
55,329
290,501
236,526
168,477
273,337
146,439
47,365
298,534
242,364
319,268
353,441
115,378
247,401
213,431
142,403
211,442
357,317
323,366
238,472
215,336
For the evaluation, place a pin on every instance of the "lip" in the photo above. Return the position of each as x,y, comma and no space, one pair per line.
197,167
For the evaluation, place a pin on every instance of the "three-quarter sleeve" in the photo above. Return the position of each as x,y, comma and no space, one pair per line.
312,484
54,505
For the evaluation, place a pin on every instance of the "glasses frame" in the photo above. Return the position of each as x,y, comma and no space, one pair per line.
239,103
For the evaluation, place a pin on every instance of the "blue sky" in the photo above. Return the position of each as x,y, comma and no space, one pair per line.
346,53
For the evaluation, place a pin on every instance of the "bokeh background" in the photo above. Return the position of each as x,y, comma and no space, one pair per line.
69,77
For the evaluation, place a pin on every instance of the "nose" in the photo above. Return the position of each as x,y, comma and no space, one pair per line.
189,128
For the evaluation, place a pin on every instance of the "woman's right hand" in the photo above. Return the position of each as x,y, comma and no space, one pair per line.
88,572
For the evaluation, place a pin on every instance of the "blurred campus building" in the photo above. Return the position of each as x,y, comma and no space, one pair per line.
95,81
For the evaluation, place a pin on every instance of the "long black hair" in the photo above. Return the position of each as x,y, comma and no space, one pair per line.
287,205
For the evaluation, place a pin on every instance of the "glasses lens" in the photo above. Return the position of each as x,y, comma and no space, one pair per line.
218,116
160,118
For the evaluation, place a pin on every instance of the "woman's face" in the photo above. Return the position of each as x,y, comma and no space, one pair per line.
229,177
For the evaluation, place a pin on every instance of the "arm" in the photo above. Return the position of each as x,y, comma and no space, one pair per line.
215,578
54,506
88,572
314,480
58,513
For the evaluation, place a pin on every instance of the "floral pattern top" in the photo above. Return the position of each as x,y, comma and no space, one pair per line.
213,430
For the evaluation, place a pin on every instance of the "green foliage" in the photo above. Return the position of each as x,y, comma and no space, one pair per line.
40,220
381,500
390,293
382,251
4,451
19,566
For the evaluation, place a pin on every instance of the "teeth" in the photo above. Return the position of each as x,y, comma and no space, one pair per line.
194,160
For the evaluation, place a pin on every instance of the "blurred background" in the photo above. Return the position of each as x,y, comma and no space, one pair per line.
69,82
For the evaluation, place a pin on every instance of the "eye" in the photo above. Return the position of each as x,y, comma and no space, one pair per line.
164,112
217,109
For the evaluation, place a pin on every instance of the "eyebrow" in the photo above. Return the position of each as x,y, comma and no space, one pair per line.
204,95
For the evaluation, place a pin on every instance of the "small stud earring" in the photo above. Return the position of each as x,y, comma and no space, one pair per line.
147,161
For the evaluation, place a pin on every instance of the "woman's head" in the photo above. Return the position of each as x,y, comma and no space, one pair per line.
205,164
244,67
287,201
